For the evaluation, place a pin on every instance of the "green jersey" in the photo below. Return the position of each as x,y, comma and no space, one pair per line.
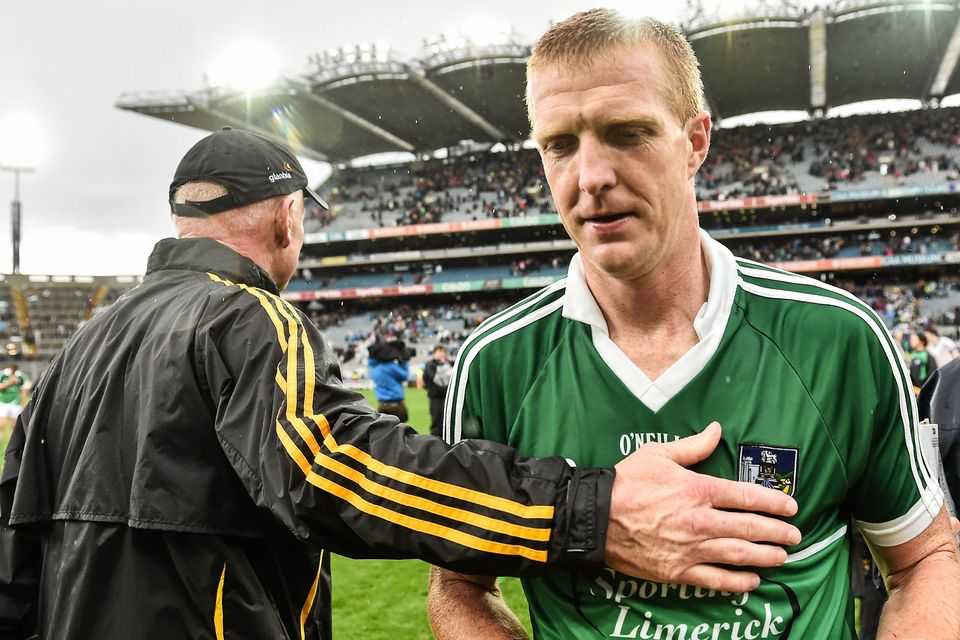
813,399
11,395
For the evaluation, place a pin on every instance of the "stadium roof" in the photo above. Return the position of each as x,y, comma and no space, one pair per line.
355,103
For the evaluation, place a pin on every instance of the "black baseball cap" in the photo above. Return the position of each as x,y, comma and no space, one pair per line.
250,166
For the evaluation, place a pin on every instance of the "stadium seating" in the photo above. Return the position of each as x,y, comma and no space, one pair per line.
40,313
862,152
459,276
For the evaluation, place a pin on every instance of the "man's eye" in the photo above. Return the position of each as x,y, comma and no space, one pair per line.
629,135
559,145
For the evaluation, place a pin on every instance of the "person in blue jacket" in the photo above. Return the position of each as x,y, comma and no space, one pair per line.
389,370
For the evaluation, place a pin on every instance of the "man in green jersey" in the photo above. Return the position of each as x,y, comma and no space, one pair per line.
659,330
12,382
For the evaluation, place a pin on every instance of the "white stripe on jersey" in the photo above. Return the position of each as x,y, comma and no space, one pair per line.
817,547
457,425
930,495
451,421
883,335
898,530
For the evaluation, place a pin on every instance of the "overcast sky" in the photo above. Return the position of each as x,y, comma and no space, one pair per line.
97,201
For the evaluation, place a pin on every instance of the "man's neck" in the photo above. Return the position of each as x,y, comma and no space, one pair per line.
252,248
651,318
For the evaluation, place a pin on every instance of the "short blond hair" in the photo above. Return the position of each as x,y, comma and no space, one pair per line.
577,42
239,221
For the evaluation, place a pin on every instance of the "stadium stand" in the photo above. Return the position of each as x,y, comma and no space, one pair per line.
884,150
470,187
867,202
38,314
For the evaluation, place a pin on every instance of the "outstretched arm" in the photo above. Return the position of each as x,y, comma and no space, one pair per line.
343,477
346,478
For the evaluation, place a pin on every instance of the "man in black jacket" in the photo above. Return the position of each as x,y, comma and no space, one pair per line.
939,402
190,458
436,378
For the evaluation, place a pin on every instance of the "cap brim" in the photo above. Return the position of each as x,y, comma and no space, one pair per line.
316,198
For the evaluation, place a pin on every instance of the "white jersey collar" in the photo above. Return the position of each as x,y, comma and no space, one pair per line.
710,322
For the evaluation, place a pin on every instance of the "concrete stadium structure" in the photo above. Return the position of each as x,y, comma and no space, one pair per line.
359,102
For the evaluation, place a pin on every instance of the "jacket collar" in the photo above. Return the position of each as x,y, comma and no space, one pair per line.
204,254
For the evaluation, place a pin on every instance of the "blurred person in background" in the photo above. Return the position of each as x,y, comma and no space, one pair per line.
436,378
920,361
942,348
13,392
389,365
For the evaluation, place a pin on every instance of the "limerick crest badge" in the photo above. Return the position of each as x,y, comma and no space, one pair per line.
772,467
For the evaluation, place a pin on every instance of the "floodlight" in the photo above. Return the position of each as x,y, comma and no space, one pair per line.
365,52
247,66
21,144
22,140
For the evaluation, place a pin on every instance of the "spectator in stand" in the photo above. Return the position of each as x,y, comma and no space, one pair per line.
942,348
922,364
12,385
750,161
389,370
436,377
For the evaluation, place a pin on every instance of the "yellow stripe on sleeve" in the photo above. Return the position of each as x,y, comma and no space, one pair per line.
544,512
293,450
281,338
311,596
291,341
435,486
218,608
430,506
410,522
416,524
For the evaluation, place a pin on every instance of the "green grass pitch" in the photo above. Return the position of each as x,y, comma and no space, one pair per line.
386,599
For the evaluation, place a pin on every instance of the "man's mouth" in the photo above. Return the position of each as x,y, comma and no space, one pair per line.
607,218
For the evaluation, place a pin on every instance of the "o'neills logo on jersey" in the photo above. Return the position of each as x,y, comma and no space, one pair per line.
283,175
771,467
630,442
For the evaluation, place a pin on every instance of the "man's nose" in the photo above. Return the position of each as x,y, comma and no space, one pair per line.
597,172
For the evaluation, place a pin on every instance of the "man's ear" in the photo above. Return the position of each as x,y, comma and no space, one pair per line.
283,222
698,136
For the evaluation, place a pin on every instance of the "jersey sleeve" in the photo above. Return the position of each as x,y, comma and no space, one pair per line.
895,498
341,476
470,411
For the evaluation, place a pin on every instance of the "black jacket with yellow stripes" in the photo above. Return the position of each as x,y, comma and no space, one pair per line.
190,458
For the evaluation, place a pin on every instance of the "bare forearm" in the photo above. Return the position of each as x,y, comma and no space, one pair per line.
923,602
459,609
